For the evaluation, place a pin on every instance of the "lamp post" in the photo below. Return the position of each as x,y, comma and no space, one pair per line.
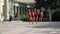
28,7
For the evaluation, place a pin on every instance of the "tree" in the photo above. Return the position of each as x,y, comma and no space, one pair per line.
47,4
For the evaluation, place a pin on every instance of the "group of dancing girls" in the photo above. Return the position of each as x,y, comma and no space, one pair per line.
35,15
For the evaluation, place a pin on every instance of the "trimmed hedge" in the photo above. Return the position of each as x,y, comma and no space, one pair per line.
25,18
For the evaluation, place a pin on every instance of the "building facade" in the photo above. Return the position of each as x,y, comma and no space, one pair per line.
14,7
1,10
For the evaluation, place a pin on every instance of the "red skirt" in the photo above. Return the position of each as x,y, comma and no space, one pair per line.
30,18
40,16
36,16
33,16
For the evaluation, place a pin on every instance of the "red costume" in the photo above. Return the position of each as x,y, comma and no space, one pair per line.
40,15
33,14
30,16
36,15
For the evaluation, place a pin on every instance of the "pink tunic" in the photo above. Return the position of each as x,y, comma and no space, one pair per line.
36,15
30,16
33,14
40,15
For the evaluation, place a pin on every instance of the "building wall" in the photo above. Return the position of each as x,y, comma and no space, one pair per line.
1,9
27,1
11,8
7,7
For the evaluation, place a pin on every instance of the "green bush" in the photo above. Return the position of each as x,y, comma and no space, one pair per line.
25,18
56,16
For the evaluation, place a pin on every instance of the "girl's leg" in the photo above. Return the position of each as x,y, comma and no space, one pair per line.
32,21
41,19
36,20
29,21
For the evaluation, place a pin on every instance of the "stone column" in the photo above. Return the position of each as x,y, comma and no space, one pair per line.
15,12
6,9
24,10
19,12
2,17
15,9
1,13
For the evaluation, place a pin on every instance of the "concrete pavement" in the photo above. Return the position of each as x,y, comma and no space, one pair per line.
19,27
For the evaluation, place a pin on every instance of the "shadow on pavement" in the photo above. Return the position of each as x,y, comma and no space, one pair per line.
55,25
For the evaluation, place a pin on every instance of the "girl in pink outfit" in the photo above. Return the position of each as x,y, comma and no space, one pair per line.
40,15
36,16
30,17
33,16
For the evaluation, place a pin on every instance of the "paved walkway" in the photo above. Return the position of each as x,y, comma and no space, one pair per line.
19,27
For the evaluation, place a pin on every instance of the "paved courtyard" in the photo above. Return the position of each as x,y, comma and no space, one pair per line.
19,27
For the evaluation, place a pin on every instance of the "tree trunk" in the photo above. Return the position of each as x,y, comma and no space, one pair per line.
50,18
